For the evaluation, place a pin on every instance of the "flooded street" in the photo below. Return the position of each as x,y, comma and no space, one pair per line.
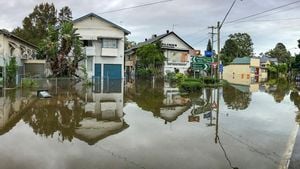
146,124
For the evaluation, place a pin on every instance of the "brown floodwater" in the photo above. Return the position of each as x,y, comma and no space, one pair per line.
146,124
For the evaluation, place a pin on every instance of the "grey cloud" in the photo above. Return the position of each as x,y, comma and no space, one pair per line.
191,18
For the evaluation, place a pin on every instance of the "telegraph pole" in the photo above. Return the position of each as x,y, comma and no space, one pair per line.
219,48
212,33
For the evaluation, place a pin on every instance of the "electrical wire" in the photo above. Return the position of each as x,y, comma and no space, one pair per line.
137,6
266,11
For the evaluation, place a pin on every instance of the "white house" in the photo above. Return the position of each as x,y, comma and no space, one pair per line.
13,46
104,46
176,51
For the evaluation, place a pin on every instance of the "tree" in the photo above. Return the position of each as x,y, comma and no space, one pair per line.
65,15
244,44
129,44
150,55
229,52
209,46
280,52
236,99
35,25
11,72
57,47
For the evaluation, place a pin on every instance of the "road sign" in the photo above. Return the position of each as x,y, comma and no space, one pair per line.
201,63
194,119
214,65
208,53
221,68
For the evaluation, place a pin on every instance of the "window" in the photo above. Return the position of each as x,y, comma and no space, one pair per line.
87,43
109,43
89,64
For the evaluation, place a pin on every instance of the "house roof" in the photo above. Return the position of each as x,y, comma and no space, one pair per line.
264,59
241,61
100,18
10,35
157,38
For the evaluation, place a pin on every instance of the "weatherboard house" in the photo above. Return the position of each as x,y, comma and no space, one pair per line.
104,46
176,52
13,46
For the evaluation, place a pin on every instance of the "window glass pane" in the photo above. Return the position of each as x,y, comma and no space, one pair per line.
89,64
110,43
87,43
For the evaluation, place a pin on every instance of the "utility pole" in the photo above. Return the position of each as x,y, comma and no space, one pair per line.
219,49
212,33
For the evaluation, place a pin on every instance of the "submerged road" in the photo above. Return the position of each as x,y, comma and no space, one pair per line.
295,160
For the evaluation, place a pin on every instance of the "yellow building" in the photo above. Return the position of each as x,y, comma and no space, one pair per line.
244,71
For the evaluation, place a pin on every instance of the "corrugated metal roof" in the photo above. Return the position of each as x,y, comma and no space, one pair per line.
243,60
98,17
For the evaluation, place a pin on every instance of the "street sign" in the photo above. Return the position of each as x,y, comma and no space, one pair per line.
201,63
214,65
194,118
221,68
208,53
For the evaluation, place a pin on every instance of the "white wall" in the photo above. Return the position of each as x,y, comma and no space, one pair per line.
94,29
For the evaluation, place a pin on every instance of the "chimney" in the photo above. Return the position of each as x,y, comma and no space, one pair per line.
168,31
146,40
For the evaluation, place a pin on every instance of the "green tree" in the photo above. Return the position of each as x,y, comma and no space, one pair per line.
11,72
129,44
209,46
229,52
65,15
236,99
35,25
59,44
280,52
150,58
244,43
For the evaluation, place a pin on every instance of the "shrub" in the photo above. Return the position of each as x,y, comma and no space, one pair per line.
28,83
190,86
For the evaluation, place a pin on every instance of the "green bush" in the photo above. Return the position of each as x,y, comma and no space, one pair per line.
143,72
28,83
190,86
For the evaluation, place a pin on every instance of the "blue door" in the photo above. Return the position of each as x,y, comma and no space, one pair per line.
112,71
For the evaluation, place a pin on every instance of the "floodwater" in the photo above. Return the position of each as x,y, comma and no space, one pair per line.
147,124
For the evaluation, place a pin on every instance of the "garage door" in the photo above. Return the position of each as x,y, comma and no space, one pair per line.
112,78
112,71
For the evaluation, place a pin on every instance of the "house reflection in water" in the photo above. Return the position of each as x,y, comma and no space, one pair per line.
103,112
174,104
164,102
72,112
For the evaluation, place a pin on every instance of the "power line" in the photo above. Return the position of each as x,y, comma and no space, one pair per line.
137,6
259,13
271,20
202,40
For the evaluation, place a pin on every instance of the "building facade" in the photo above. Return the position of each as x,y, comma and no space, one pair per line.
13,46
104,46
176,52
244,71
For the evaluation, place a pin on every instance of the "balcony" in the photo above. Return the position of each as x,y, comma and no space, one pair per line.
110,52
90,51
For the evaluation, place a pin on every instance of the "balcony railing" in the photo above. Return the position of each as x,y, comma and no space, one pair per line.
90,51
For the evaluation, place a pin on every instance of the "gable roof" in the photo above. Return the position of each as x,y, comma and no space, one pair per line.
10,35
100,18
157,38
241,61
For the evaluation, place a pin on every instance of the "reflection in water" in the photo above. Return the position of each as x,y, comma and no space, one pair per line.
236,97
71,112
278,88
159,97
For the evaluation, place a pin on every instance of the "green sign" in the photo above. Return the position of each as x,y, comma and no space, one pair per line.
201,63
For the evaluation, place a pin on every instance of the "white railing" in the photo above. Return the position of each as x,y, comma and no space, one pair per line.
90,51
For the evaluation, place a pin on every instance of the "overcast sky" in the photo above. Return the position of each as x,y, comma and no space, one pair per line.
190,17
